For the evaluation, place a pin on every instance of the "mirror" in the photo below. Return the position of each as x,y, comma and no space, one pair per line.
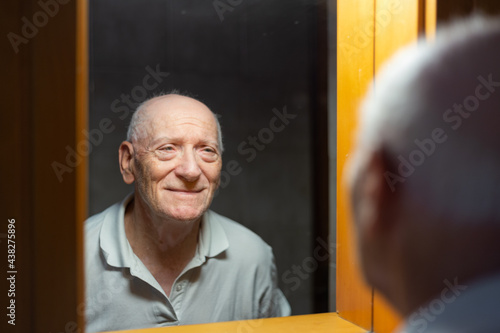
260,65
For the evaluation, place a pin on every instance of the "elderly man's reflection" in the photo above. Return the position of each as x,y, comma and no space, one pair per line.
160,257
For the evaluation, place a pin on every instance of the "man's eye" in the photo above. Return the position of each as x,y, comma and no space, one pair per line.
209,150
209,154
166,152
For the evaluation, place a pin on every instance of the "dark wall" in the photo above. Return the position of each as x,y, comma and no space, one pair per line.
252,61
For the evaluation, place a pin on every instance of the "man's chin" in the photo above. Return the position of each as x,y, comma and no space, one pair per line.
186,215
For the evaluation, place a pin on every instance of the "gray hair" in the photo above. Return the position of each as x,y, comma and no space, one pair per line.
419,93
136,127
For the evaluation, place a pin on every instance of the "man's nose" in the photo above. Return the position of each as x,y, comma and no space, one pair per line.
188,167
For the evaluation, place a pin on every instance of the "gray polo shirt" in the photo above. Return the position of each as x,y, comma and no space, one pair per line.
231,277
461,307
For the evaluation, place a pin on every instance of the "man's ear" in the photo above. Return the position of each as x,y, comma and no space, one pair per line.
377,199
126,160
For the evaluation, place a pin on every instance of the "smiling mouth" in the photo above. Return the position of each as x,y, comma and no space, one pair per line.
182,191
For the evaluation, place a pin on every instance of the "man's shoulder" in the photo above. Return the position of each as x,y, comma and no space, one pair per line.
94,223
97,219
235,228
241,238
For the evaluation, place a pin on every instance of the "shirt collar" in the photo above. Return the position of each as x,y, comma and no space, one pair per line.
213,239
118,252
113,240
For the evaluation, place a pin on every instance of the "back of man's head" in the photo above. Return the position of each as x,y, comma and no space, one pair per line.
433,119
437,110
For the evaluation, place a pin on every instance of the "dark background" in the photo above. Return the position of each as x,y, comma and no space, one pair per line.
255,56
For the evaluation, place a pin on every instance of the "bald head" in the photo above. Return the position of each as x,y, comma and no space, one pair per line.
145,117
436,113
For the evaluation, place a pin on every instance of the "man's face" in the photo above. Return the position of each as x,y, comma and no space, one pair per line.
177,162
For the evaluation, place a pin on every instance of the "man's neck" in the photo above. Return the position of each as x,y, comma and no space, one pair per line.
160,243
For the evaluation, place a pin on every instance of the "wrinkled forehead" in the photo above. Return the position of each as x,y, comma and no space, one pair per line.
176,114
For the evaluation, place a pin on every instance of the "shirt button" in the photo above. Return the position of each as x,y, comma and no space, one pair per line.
179,287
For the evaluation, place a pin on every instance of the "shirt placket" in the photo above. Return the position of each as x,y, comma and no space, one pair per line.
166,313
177,296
